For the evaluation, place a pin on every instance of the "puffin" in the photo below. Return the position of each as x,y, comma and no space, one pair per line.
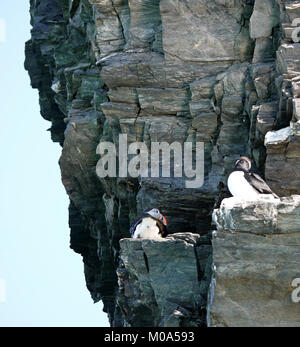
244,184
152,224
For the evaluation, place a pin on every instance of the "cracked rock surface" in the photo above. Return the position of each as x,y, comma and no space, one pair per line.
256,258
164,282
221,72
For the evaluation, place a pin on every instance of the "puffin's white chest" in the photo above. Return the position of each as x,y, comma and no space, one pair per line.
147,229
239,186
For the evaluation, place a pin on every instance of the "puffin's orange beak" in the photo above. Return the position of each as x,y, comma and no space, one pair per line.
165,220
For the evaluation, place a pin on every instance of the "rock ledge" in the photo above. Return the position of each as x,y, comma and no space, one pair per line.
256,257
164,282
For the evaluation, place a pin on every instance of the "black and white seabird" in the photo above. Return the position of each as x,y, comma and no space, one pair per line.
152,224
244,184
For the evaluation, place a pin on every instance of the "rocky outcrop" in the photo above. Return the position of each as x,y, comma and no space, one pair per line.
217,72
164,282
282,163
256,258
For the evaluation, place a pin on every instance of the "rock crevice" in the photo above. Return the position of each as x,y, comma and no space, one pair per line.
224,73
167,278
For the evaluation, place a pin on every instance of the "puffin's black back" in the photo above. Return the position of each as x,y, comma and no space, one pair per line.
259,184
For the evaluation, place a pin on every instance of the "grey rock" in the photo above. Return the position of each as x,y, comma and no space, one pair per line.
145,25
206,43
166,70
266,117
163,101
255,259
149,266
264,18
283,145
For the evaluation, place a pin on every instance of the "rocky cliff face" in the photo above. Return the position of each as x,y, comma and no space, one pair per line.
165,282
256,259
222,72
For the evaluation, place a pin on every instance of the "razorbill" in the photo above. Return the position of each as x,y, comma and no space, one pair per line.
152,224
244,184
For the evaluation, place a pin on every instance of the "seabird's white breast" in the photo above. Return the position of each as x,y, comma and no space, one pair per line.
240,187
147,229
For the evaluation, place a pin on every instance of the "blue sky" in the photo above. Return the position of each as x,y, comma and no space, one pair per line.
42,278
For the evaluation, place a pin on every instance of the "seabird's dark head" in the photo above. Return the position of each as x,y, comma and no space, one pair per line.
243,163
155,213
